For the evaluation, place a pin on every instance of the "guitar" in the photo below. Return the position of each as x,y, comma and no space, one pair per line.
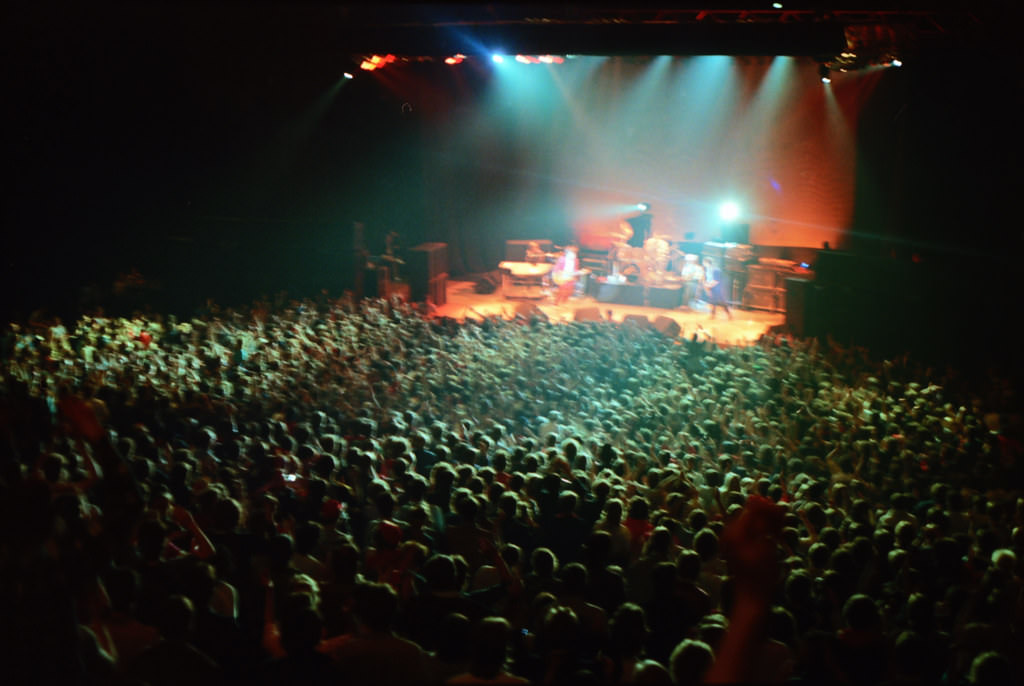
562,278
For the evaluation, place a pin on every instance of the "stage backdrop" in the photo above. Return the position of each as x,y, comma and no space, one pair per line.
517,150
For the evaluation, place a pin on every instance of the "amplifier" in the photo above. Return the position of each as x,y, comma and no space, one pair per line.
762,298
427,261
761,277
437,290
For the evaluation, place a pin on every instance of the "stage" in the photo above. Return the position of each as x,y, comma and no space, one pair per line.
745,327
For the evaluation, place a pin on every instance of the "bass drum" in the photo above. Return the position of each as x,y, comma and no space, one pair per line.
656,251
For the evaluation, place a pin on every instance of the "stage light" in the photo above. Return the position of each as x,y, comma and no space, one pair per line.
547,59
729,211
454,59
823,72
642,206
522,59
348,75
777,5
497,59
896,62
376,62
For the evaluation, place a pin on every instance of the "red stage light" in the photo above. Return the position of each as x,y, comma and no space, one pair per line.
376,62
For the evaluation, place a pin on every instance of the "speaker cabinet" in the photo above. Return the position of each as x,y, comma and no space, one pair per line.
437,290
423,264
587,314
667,326
763,298
637,320
427,260
800,311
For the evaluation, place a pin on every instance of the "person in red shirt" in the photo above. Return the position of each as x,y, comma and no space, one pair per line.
638,524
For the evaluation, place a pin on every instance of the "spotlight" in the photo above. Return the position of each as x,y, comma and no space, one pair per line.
498,59
729,211
348,75
642,206
522,59
777,5
896,62
824,74
376,62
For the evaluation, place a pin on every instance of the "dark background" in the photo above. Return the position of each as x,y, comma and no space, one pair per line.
211,148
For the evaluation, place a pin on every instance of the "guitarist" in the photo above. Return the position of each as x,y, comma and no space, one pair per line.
566,272
714,287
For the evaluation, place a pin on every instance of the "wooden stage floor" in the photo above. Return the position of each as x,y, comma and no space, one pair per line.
745,327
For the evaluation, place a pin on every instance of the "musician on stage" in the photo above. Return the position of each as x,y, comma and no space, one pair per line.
714,287
566,273
534,253
692,275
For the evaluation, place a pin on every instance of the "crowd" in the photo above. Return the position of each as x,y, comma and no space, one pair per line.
360,493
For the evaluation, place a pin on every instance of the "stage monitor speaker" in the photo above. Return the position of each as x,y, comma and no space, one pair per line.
587,314
638,320
667,326
527,310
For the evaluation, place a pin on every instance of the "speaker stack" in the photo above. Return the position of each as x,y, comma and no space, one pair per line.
427,267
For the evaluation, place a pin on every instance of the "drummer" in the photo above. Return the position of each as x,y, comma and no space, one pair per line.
656,252
534,253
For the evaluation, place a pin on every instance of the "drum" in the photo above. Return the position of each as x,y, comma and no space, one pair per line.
656,251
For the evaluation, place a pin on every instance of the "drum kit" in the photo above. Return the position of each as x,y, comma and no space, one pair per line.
648,264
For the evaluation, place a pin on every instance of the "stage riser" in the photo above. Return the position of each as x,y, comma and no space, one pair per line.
634,294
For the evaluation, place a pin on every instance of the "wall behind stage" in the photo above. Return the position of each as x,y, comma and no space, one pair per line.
560,150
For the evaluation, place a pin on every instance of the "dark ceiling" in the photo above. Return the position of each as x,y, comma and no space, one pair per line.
683,28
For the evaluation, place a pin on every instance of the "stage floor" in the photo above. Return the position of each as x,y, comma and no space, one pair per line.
745,327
